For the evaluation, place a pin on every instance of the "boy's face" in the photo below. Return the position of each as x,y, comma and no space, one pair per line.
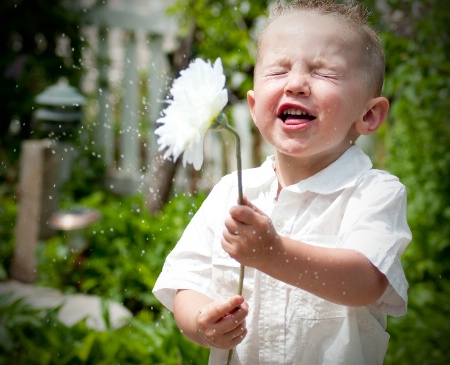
308,86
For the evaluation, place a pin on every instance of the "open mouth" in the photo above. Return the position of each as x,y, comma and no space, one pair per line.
294,114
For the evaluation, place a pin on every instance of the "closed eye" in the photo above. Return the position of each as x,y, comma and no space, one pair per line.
276,70
276,73
325,74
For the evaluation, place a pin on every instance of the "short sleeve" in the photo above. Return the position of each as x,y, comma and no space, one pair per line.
189,265
375,224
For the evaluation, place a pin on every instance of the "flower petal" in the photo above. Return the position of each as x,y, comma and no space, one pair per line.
198,96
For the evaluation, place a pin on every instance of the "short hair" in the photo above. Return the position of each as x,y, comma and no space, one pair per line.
354,15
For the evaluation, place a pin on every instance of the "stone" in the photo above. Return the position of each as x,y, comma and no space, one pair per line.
74,307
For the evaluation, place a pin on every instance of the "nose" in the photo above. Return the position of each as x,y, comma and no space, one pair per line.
297,85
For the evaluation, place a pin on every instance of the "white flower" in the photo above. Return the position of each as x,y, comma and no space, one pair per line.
198,97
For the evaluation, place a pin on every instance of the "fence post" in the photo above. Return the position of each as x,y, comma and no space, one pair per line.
127,154
158,75
129,157
104,131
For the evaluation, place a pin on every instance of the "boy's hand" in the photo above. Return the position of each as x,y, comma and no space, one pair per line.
222,323
249,236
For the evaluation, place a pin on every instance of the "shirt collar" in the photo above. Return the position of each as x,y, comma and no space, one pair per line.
342,173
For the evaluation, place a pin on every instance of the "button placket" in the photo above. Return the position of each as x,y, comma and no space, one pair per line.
272,325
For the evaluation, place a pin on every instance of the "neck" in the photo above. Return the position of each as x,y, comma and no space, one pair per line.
291,170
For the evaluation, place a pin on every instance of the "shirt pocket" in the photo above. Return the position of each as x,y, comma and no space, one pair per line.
305,305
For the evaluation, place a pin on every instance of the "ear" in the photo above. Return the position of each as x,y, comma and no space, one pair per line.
376,111
251,103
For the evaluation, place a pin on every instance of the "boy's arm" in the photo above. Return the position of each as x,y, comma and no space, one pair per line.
209,323
339,275
342,276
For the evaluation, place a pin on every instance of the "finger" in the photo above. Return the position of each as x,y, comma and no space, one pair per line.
231,226
246,213
237,334
238,314
237,328
228,239
230,330
243,214
218,310
230,341
233,325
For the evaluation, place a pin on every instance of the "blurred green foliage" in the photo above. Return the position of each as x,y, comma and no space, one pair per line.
126,250
224,29
40,42
418,141
8,212
36,337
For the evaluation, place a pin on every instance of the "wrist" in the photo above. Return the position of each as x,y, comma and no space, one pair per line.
200,334
274,249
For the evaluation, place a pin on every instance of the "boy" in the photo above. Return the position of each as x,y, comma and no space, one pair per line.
321,233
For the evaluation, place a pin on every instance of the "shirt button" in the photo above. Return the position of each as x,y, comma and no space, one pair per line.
270,335
279,224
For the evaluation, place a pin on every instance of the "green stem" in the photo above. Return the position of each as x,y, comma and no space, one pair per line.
241,202
239,161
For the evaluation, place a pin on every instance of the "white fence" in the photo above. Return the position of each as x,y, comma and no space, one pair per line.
130,42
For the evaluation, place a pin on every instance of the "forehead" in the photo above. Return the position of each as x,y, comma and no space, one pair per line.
308,30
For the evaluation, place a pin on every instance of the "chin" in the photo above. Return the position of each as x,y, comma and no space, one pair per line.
294,153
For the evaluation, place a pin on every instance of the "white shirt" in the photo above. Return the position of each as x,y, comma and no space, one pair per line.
346,205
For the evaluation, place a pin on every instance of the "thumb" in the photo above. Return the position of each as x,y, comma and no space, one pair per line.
217,310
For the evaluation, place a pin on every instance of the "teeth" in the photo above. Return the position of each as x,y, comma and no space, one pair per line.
293,111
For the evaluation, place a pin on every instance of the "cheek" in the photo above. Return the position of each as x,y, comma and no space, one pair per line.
266,128
265,107
261,124
268,92
332,106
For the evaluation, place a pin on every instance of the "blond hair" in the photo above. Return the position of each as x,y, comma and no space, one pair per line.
355,15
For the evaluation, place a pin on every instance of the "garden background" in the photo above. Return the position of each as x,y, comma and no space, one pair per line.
127,246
